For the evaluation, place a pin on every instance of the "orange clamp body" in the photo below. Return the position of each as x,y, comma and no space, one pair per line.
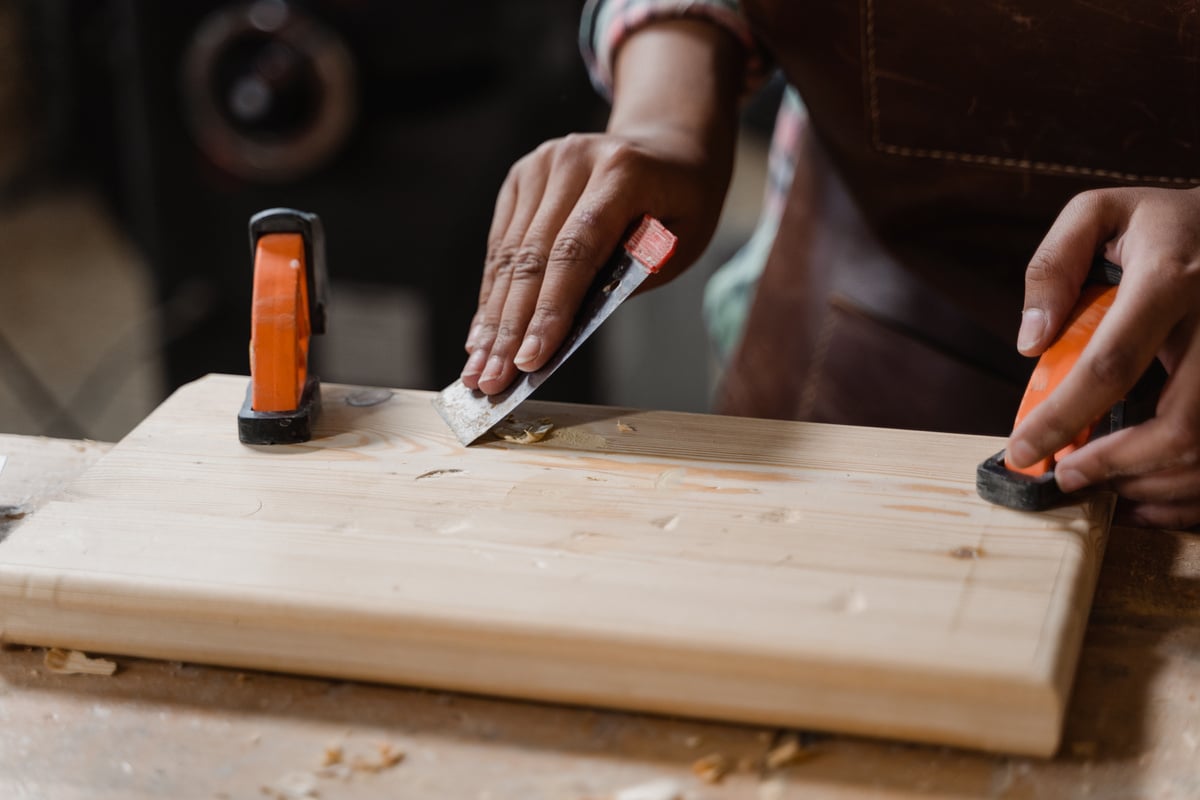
279,323
1057,361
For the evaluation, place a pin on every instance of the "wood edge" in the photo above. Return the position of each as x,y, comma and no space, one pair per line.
44,616
1060,665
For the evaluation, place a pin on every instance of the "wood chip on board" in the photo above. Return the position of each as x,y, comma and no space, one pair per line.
712,768
333,755
73,662
388,758
789,751
625,427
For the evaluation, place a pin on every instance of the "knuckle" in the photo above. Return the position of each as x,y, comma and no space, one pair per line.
513,176
506,333
1184,437
622,156
549,314
1089,201
528,263
491,257
1114,366
570,249
504,258
575,141
1044,266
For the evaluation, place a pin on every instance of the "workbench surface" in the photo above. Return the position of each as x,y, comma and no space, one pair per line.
174,730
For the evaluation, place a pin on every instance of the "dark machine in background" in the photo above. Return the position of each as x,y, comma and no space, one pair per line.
395,121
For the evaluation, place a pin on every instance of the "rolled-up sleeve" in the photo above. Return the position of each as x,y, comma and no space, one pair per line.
607,23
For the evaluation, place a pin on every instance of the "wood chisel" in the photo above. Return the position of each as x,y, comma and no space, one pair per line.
470,413
1034,488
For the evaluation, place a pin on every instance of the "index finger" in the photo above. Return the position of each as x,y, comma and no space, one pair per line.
1123,346
588,237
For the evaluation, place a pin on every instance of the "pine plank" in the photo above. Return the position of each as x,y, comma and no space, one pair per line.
749,570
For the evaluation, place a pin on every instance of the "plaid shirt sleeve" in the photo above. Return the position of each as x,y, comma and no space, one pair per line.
607,23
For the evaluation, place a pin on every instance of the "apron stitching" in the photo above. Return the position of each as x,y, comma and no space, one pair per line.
867,9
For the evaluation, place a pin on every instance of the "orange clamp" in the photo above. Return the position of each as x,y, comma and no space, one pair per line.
1058,360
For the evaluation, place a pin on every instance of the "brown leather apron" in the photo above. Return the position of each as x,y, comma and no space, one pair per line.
944,139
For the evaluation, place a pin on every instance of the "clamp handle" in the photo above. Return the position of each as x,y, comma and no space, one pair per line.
1058,360
290,284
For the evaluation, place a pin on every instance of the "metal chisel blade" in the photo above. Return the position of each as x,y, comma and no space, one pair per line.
471,413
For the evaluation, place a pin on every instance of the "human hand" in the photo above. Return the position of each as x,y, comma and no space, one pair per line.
1154,235
559,216
563,208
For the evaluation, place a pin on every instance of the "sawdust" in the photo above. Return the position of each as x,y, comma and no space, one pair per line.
73,662
578,439
712,768
623,427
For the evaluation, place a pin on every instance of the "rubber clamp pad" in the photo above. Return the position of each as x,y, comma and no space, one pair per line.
281,427
1000,485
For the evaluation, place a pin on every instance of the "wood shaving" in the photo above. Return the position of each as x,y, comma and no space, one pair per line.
788,752
663,789
73,662
624,427
712,768
517,432
388,758
333,755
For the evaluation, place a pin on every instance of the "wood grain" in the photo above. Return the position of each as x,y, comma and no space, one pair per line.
750,570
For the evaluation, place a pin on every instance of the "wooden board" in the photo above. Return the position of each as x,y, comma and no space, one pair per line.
769,572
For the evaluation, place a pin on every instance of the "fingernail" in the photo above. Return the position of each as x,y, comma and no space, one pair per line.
529,349
494,367
1022,454
474,363
1033,327
1070,479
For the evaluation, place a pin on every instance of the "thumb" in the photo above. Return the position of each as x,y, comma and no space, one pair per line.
1061,263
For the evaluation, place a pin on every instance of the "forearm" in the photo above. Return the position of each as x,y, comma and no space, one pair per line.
680,80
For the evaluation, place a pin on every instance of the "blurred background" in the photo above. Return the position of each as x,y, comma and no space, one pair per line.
138,136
